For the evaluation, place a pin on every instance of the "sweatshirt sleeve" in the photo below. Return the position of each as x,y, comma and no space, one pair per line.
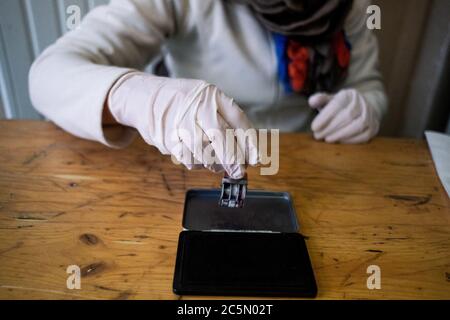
69,82
363,73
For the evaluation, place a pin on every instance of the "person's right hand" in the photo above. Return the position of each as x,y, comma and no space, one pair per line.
181,117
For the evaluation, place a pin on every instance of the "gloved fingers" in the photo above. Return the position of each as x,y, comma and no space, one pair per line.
214,126
341,120
219,112
193,142
251,147
246,135
236,119
336,104
209,160
179,154
204,134
363,137
207,148
227,151
247,141
357,128
230,111
373,127
183,155
319,100
216,168
194,166
352,129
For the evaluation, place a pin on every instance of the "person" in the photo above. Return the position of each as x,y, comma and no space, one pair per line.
233,64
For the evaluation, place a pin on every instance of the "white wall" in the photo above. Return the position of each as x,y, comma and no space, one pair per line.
26,28
2,116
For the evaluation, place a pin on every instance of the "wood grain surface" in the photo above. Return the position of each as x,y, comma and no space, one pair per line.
117,214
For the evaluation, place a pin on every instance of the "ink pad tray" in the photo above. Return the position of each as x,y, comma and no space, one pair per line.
251,251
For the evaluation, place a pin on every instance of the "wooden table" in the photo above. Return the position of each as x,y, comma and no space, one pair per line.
117,214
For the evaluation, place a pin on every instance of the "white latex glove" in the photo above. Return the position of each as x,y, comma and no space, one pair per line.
177,115
345,117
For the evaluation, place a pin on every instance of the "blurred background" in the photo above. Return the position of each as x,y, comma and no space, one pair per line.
414,43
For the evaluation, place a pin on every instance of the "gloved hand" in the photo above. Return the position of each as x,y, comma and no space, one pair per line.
183,117
345,117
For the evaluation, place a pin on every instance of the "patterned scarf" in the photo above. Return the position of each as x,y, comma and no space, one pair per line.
312,50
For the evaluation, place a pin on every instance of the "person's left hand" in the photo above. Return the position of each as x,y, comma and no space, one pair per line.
345,117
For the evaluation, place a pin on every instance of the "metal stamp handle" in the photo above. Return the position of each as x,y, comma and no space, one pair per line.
233,192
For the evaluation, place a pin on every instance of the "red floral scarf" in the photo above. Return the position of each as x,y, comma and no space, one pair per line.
312,49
